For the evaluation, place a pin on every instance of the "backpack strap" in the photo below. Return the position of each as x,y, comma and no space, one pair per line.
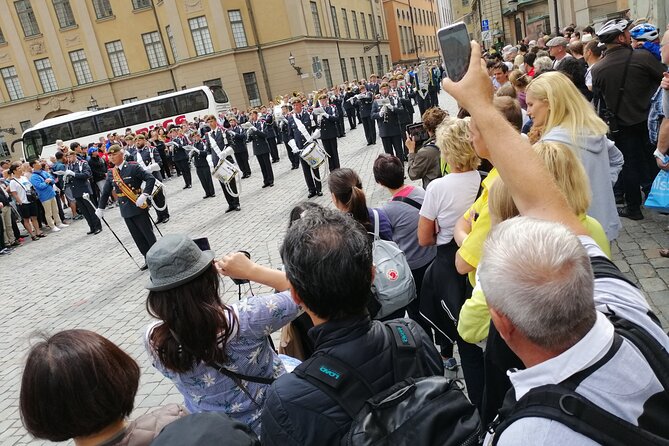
376,224
408,200
603,268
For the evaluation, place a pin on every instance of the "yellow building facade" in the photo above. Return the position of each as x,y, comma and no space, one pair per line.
61,56
412,29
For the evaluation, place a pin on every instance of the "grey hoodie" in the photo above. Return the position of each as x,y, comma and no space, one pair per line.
602,161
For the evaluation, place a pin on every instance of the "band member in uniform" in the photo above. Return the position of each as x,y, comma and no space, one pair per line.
404,108
271,131
327,122
257,134
149,159
389,126
337,99
202,168
78,173
298,122
220,148
365,100
236,139
126,179
181,155
373,85
349,106
284,132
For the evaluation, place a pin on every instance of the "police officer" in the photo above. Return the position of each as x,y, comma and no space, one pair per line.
299,123
257,134
181,155
386,117
365,100
328,123
149,159
218,147
126,179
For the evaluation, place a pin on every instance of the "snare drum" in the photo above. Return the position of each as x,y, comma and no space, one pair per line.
314,154
225,171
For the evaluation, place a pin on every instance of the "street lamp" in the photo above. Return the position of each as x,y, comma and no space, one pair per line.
94,104
291,60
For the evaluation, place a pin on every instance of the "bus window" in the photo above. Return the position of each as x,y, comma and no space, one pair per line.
191,102
134,115
32,145
109,121
58,131
84,127
162,108
220,96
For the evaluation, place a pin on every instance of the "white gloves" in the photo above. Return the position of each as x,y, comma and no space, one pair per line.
154,167
69,173
196,151
99,213
382,112
141,200
293,146
316,134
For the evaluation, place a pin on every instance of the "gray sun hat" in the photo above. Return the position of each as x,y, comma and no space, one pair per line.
174,260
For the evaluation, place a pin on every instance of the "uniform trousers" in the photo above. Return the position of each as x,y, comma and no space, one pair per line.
370,130
330,146
86,209
141,231
243,162
266,169
313,185
207,182
231,199
184,168
340,126
351,118
273,149
293,157
391,143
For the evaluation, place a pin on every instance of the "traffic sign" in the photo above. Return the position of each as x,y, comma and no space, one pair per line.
484,25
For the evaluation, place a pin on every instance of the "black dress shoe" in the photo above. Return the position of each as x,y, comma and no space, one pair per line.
164,220
319,193
632,215
271,184
185,187
294,167
212,196
237,208
311,195
275,161
97,231
230,209
245,176
90,232
206,196
265,185
189,186
143,267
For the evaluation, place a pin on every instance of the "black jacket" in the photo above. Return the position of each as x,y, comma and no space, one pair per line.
200,159
389,124
259,138
298,413
180,154
293,129
133,175
79,182
98,168
328,123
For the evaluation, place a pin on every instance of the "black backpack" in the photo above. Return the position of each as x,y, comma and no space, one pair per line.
415,411
561,403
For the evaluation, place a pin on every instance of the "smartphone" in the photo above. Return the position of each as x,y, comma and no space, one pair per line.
418,133
455,50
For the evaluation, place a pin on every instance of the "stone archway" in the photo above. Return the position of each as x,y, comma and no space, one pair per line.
56,113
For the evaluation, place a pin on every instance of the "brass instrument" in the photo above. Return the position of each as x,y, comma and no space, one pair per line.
384,103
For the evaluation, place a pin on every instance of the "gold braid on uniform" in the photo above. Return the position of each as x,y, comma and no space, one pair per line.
125,189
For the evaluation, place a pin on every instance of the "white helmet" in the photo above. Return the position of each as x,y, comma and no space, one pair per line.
612,29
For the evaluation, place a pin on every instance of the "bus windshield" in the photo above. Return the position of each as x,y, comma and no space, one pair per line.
32,145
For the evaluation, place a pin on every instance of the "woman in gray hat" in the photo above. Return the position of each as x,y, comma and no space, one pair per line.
217,355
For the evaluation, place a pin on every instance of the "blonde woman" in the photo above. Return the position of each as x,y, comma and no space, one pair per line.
562,114
444,289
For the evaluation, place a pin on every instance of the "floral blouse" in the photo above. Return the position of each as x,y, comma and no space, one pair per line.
205,389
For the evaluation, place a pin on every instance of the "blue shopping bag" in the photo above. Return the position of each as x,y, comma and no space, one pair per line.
658,198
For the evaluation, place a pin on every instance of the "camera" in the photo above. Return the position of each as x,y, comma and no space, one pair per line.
418,133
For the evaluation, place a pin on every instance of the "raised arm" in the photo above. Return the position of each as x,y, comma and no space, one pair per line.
526,176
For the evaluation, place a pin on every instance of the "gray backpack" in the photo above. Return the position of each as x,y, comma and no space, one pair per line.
393,285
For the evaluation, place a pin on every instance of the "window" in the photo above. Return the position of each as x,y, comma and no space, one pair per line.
83,127
371,65
344,73
12,83
80,67
216,87
328,74
364,69
345,19
64,13
364,24
379,67
109,121
155,51
141,4
402,42
2,37
58,131
317,19
191,102
371,25
355,24
379,29
102,9
25,125
201,38
252,89
162,108
173,45
237,26
335,22
27,18
354,68
117,58
46,76
129,100
134,115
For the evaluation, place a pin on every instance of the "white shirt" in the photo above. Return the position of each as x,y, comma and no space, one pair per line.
447,199
20,189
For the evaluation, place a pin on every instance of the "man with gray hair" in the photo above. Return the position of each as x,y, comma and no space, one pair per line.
553,295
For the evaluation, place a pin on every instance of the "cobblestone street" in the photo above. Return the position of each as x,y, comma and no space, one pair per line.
71,280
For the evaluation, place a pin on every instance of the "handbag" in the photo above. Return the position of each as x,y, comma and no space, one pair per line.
658,198
31,194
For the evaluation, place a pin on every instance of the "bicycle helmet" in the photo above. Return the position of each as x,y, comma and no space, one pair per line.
644,32
612,29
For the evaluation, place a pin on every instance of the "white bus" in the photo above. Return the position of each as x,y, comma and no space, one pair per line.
85,127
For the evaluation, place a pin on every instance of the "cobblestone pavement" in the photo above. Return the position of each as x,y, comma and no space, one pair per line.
71,280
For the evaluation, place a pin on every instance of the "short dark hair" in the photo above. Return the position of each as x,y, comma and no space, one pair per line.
328,261
388,171
501,66
59,155
594,48
14,167
530,58
511,110
75,384
74,145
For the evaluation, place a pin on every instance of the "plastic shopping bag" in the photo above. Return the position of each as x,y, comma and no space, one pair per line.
658,198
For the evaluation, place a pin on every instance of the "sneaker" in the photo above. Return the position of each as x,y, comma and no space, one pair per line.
63,225
450,363
55,229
